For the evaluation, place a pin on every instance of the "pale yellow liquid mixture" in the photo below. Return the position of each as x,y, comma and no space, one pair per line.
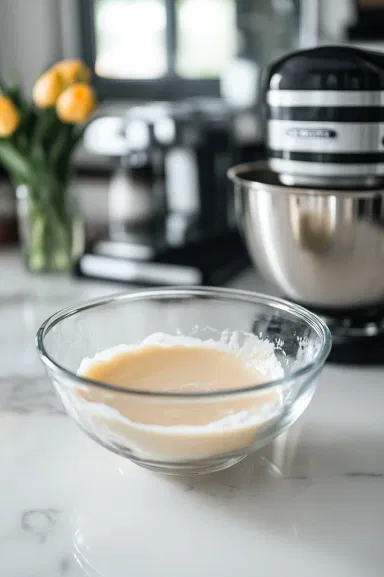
185,428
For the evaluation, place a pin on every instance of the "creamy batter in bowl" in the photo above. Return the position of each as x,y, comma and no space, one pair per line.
176,379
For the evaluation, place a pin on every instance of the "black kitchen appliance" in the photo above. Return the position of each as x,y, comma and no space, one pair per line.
357,335
324,113
178,152
313,213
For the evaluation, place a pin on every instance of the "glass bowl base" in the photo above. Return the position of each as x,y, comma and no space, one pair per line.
197,468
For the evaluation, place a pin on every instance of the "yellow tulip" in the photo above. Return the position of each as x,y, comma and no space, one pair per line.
47,89
72,71
76,103
9,117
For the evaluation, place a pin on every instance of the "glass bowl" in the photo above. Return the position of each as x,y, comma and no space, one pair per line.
293,339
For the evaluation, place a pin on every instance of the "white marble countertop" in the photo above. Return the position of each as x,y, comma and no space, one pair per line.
309,505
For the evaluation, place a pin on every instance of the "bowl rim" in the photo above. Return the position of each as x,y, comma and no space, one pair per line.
304,314
236,175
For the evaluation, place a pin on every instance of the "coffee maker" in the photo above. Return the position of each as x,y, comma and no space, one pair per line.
313,213
171,209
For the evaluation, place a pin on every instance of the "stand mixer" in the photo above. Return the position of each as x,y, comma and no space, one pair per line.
313,213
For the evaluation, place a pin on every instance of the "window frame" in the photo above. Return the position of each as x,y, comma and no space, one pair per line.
169,87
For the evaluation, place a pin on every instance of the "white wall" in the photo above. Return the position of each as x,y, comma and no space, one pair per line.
30,37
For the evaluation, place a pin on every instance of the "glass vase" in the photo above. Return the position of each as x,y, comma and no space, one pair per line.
51,229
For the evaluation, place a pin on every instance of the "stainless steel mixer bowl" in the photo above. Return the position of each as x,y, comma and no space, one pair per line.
320,247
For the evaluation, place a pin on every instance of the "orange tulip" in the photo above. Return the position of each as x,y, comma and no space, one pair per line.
47,89
9,117
76,103
72,71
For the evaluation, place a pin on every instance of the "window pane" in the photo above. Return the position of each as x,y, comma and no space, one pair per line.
206,37
130,38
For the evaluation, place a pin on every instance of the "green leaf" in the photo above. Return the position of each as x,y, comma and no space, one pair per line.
53,125
15,162
24,170
3,88
76,135
43,124
59,157
29,122
16,95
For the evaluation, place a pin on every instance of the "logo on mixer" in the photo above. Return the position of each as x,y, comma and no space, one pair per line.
312,132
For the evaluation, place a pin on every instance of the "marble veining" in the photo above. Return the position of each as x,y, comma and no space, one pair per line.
23,395
308,505
40,522
365,475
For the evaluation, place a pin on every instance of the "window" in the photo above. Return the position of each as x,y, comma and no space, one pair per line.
158,48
